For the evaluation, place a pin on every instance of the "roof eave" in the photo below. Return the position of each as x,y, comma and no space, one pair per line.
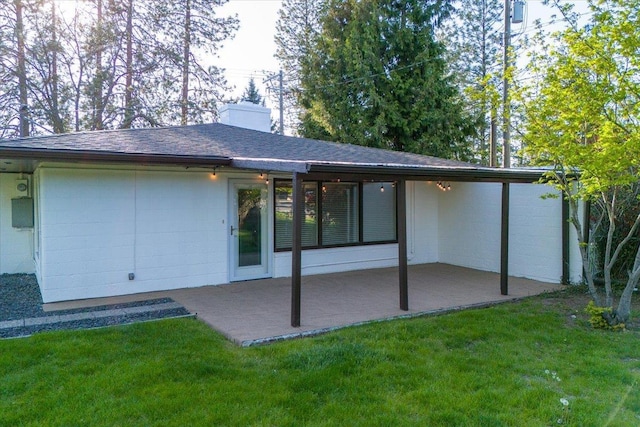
112,157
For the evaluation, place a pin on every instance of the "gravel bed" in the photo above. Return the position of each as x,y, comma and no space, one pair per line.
93,323
20,298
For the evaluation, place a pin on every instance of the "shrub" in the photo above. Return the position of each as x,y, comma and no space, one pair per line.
600,317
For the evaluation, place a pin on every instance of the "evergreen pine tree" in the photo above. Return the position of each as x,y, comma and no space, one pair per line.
251,94
376,76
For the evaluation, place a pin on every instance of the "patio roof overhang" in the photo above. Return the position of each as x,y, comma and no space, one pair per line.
431,173
401,174
327,170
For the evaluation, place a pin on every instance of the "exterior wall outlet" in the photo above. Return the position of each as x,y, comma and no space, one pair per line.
132,276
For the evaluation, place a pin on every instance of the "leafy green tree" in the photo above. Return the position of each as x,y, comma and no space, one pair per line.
583,118
376,76
251,94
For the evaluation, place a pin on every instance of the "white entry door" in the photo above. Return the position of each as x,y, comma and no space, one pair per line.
248,229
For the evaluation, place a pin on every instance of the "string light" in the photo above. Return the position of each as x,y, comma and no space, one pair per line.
444,186
266,178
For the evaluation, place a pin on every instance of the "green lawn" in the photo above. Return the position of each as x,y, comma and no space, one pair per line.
507,365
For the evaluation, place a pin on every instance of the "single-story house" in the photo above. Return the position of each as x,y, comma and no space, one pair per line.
96,214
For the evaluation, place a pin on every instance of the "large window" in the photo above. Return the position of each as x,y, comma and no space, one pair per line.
340,213
337,214
378,212
284,215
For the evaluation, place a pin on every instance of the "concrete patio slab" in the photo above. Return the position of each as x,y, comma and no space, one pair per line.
259,311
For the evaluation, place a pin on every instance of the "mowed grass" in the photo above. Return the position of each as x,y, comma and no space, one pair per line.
506,365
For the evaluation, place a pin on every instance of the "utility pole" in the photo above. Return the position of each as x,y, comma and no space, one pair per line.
21,71
269,81
281,98
493,138
506,106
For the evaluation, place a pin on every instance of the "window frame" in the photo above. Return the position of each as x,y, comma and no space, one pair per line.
319,207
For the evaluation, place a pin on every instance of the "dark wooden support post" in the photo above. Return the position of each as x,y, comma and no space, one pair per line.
504,241
401,202
565,241
296,249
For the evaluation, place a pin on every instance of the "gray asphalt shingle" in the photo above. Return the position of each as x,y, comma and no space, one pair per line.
222,141
215,145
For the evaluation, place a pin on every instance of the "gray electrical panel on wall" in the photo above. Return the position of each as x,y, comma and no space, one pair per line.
22,212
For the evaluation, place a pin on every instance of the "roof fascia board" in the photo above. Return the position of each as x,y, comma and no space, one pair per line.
270,165
112,157
417,173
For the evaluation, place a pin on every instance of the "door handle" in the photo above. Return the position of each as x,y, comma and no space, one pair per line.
232,230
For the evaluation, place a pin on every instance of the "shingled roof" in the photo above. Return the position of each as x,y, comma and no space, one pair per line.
212,145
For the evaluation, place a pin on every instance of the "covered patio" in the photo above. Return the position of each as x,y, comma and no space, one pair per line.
258,311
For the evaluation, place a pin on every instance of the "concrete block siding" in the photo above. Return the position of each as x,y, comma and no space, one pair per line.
100,225
469,228
16,245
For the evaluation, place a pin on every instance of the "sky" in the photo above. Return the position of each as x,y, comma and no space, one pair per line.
252,49
251,52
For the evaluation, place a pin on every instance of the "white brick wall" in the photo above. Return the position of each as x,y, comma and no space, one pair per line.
16,245
470,230
100,225
422,222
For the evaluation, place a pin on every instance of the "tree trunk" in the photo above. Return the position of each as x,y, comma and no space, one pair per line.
56,121
608,261
98,122
22,72
128,93
593,291
185,64
623,313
